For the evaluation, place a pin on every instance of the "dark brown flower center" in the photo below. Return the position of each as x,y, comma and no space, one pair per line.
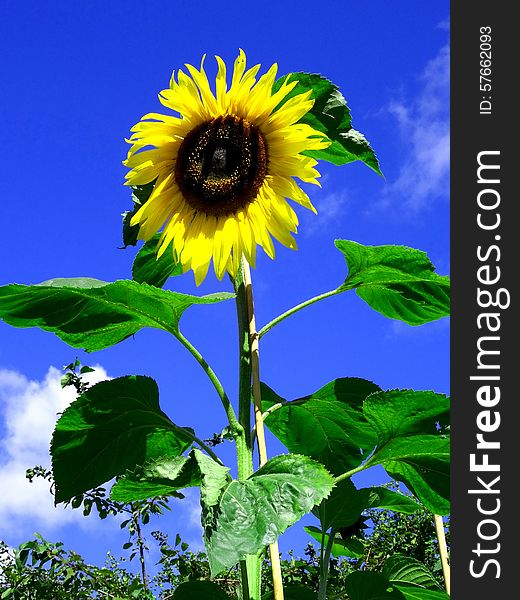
221,165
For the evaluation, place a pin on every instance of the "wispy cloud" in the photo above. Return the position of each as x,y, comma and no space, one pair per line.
425,130
28,412
330,207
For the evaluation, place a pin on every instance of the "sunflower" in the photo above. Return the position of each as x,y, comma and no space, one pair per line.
223,169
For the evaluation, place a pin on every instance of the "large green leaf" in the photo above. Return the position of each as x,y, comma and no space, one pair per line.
147,268
351,547
343,507
401,569
199,590
328,425
330,115
112,427
368,585
397,281
251,514
412,445
427,479
400,413
92,314
411,592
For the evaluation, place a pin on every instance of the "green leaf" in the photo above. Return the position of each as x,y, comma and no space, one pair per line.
411,445
343,506
328,425
140,195
147,268
293,592
397,281
417,593
352,548
112,427
165,475
199,590
400,413
428,480
94,314
331,116
251,514
401,569
381,497
368,585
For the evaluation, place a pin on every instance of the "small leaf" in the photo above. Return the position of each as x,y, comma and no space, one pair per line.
113,426
251,514
381,497
199,590
140,195
397,281
329,425
331,116
352,548
94,314
165,475
150,269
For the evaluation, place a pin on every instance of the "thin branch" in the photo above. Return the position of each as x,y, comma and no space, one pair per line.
295,309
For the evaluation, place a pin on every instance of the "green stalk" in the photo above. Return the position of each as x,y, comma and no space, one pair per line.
325,564
251,567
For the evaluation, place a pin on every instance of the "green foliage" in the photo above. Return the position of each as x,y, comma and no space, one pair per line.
330,115
352,548
150,269
350,419
413,444
397,281
40,569
113,426
92,314
329,425
199,590
251,514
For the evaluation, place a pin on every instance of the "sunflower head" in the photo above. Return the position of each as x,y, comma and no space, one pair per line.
223,168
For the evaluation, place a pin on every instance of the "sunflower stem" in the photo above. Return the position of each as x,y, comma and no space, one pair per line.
251,567
259,423
293,310
443,551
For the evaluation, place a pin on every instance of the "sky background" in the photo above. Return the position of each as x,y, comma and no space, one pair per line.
75,77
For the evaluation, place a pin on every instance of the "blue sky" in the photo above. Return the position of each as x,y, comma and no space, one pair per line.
76,77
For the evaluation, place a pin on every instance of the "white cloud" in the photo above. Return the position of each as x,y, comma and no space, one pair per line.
425,129
330,208
29,410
